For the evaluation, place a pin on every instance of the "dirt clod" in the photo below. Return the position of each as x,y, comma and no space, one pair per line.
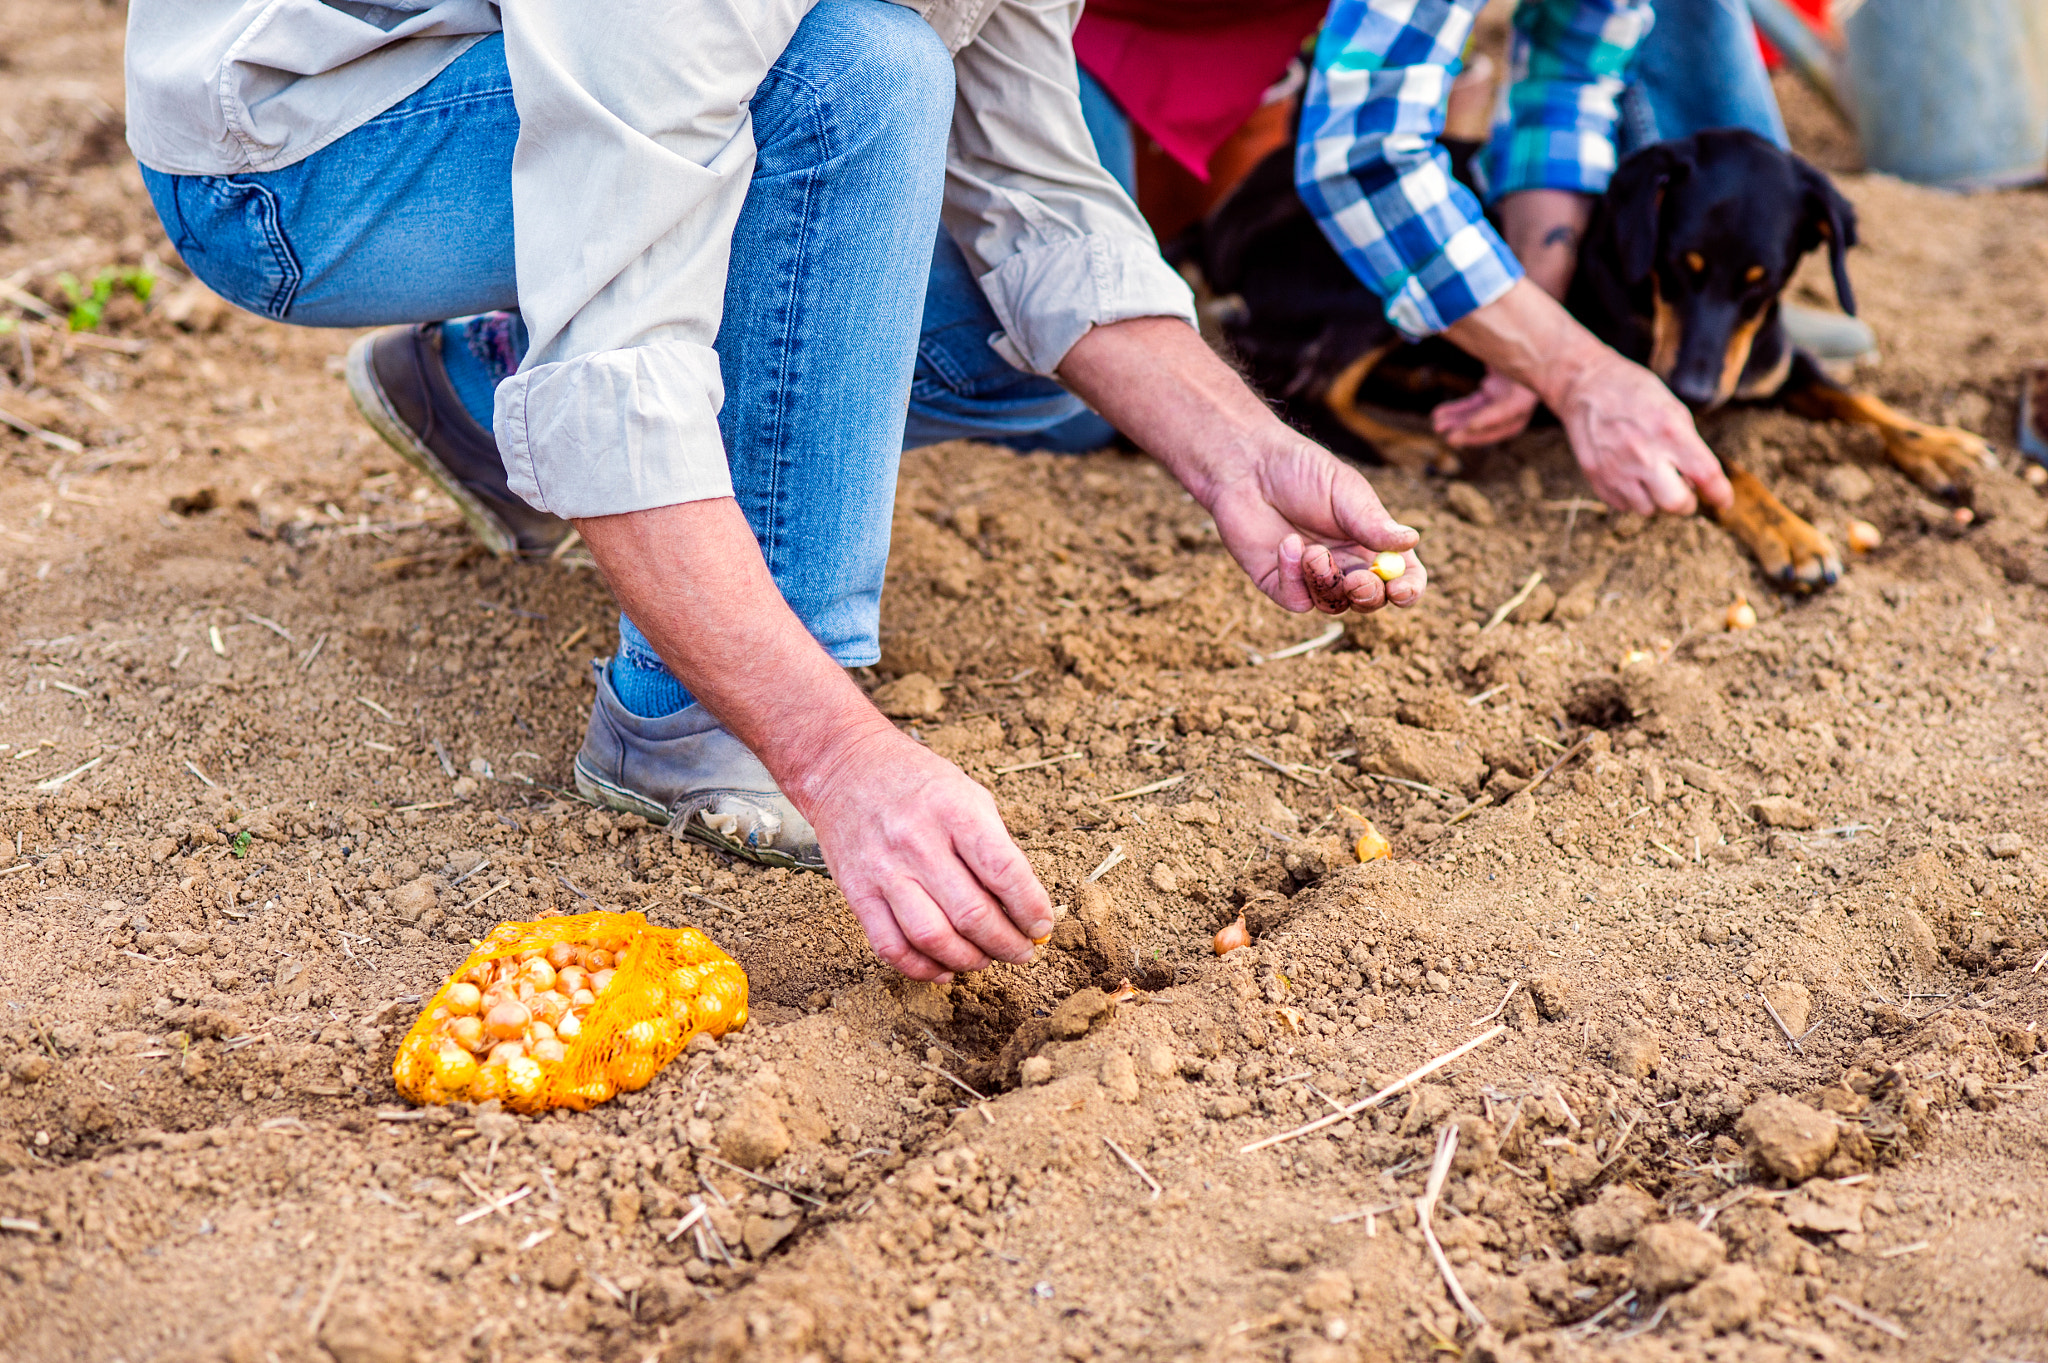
1786,1139
1608,1225
1793,1003
2005,846
1553,996
1470,503
1671,1255
753,1135
1782,811
1731,1297
915,696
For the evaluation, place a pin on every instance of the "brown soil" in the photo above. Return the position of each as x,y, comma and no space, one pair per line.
282,687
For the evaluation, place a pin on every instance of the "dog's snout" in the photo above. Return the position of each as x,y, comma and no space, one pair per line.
1697,391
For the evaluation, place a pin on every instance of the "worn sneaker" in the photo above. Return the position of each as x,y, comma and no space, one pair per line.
687,772
1828,335
402,389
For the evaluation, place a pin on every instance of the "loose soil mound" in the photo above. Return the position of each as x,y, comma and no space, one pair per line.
280,745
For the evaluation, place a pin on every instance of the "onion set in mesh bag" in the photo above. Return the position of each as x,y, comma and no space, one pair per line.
566,1012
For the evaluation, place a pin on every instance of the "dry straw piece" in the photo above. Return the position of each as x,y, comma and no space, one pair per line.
566,1012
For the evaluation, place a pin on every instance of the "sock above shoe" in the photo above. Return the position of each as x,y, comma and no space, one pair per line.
648,692
479,353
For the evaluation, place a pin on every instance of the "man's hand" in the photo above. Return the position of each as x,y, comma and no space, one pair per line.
1301,523
1498,410
923,858
1305,528
918,849
1635,441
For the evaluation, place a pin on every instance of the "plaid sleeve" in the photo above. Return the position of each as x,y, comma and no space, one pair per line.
1368,165
1566,72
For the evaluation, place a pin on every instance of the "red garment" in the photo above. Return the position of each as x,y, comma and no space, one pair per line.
1189,72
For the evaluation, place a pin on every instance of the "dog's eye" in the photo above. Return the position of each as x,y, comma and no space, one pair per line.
1695,262
1755,273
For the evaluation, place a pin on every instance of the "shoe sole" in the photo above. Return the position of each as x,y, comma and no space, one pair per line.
370,400
599,791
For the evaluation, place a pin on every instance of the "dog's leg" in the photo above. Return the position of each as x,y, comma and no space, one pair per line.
1938,458
1790,551
1406,450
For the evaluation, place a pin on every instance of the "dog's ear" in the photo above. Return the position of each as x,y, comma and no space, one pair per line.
1831,218
1635,199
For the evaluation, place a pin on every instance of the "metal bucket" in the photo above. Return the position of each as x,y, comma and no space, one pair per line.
1951,92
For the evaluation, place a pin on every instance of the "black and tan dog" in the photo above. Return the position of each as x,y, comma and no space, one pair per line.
1681,270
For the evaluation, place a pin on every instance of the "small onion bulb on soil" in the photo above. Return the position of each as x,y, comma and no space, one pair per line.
1864,537
1373,846
1232,936
1741,615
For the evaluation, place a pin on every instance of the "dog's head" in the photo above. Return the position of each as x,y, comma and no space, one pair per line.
1714,225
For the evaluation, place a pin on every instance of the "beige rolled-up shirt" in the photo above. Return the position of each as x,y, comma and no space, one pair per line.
634,155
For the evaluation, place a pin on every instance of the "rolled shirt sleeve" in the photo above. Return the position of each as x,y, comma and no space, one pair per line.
1568,64
634,156
1056,243
645,114
1369,166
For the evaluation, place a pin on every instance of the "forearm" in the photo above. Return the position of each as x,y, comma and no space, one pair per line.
1157,381
1543,227
692,578
1528,336
1304,526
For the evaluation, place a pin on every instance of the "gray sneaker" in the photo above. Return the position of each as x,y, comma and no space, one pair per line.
1828,335
401,387
685,771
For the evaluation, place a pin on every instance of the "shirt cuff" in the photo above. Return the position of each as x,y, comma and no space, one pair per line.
1048,297
1538,157
615,431
1474,268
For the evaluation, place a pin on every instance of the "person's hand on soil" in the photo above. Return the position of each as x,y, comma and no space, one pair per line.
1637,443
1306,526
1499,409
923,858
917,847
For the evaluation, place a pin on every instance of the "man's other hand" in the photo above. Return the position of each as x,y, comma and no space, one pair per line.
923,858
1302,523
1305,527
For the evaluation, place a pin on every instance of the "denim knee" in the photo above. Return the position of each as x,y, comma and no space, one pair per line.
871,66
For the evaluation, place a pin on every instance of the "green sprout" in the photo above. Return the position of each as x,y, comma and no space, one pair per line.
89,303
239,844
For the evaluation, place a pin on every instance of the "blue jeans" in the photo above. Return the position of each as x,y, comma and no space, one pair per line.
963,389
1698,69
409,218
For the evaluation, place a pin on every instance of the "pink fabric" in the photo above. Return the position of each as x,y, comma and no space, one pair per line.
1186,78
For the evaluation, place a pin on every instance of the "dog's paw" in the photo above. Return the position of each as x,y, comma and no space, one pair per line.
1942,459
1793,553
1798,557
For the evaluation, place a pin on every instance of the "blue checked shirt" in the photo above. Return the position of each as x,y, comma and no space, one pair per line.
1369,167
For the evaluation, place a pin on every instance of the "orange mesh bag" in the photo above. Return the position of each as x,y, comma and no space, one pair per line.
566,1012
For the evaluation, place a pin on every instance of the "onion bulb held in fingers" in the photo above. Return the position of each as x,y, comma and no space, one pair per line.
1388,566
